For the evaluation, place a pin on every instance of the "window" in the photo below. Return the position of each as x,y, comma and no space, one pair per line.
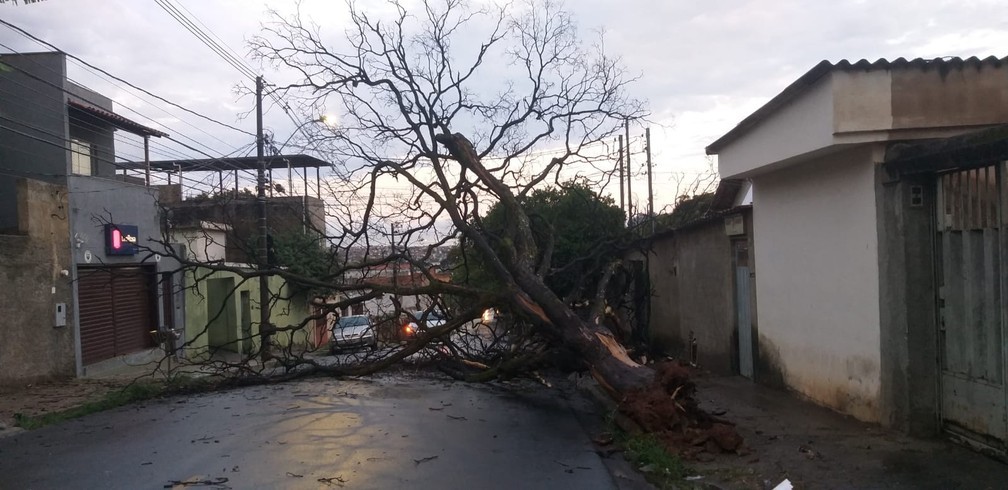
80,157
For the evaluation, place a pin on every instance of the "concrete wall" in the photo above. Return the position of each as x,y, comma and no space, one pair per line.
665,327
38,110
31,266
705,293
816,250
284,215
909,396
95,201
954,97
862,101
693,291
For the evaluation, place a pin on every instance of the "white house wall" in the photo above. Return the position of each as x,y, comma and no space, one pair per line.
203,245
802,126
816,251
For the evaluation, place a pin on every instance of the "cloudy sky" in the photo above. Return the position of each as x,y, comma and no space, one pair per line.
703,66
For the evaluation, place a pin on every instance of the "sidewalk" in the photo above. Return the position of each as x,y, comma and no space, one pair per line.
815,447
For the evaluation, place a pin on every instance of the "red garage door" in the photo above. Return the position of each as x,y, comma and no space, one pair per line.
116,311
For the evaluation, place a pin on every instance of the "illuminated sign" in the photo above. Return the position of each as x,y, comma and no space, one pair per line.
121,239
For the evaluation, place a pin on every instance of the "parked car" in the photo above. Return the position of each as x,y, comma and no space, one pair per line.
415,320
353,331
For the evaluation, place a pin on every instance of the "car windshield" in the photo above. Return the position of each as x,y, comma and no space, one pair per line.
353,321
431,316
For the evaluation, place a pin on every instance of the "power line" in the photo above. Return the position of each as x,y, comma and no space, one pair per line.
162,99
219,48
130,109
63,90
189,25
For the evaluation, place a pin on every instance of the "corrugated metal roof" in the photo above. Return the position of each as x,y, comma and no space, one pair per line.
822,68
115,119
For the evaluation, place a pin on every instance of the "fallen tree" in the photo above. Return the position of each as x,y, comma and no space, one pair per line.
451,117
471,107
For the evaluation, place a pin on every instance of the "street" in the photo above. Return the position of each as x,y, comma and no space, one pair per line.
401,431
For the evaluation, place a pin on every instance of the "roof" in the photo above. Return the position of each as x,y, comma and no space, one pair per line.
824,67
727,191
229,164
708,217
116,120
974,149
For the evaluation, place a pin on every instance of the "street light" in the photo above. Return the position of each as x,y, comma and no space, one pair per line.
326,119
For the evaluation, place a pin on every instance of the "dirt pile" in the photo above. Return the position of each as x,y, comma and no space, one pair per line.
669,410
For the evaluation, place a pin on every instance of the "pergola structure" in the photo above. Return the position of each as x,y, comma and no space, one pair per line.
235,165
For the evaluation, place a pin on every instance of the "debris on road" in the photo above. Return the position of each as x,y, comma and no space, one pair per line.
337,480
198,482
424,460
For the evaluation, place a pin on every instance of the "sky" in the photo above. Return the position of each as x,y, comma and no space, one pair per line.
701,66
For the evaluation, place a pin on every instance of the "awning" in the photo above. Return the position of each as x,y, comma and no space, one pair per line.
115,120
970,150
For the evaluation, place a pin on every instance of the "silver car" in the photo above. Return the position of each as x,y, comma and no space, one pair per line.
353,331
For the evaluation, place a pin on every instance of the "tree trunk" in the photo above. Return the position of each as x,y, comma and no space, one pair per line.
610,365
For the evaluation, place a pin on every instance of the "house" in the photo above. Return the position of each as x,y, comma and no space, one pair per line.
219,230
221,305
879,265
107,288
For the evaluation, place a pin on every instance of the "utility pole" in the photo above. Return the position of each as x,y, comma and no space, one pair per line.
650,183
265,328
629,180
147,159
622,203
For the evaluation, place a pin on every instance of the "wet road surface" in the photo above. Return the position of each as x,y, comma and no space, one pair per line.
392,432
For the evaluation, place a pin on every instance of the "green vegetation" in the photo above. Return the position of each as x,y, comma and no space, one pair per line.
648,453
571,222
687,210
303,254
132,393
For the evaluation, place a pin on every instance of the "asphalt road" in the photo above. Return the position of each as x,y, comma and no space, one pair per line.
392,432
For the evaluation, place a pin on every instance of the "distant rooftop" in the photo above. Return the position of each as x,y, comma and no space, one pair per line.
228,164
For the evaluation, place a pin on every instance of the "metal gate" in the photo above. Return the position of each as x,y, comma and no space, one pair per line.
116,311
971,303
